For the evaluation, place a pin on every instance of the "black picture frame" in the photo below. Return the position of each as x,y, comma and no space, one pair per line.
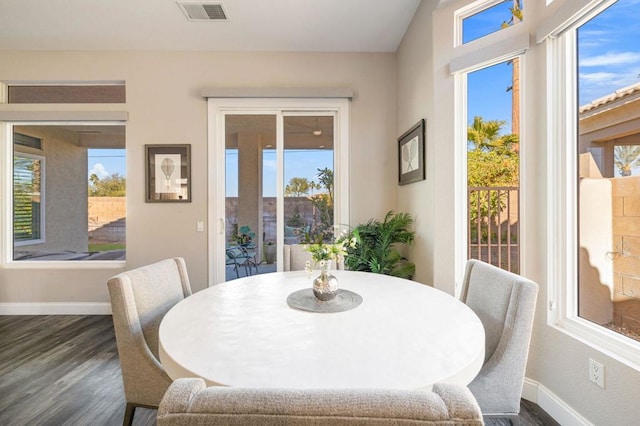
411,154
168,173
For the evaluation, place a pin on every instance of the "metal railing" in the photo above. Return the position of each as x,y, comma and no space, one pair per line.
493,232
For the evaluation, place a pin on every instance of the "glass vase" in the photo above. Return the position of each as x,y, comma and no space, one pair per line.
325,285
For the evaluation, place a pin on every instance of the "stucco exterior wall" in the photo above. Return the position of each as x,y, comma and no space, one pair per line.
66,189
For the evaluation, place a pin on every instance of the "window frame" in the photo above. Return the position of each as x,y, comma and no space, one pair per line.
489,50
464,193
562,198
6,188
42,234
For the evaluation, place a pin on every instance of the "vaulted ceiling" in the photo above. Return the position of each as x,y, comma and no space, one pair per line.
251,25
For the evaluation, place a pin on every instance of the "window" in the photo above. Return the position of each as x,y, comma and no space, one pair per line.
609,261
594,249
28,199
31,93
82,192
28,141
486,17
493,165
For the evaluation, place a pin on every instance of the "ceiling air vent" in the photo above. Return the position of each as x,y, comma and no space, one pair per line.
203,11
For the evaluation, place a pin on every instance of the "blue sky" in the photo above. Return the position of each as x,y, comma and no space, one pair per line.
105,162
486,22
487,94
609,51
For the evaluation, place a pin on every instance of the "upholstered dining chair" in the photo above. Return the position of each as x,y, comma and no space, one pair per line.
190,402
296,256
505,303
139,300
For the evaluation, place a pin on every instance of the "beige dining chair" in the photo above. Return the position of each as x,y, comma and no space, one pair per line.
296,256
189,402
139,300
505,303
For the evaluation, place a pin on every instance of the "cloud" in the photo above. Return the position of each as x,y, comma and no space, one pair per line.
599,77
99,170
598,84
611,59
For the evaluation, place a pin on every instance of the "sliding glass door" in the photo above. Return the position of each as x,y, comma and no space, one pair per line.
276,187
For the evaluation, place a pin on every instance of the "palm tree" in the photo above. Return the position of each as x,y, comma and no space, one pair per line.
485,136
625,158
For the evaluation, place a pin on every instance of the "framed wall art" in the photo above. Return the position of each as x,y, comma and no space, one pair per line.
411,155
168,173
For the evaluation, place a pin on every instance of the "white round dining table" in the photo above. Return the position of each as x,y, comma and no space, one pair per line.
242,333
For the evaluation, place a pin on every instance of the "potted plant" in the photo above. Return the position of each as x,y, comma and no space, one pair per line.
375,248
243,236
269,252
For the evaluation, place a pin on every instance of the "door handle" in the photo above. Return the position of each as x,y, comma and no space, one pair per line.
221,226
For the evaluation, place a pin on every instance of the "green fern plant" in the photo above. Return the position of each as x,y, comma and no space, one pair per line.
376,246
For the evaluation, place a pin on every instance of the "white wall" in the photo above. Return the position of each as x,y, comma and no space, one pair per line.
415,102
165,106
557,362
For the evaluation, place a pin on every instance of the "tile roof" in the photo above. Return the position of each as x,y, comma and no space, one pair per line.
617,95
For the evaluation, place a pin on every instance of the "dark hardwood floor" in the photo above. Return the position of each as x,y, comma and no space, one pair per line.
64,370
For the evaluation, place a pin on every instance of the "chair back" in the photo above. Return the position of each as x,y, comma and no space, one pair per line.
139,300
189,401
295,257
505,303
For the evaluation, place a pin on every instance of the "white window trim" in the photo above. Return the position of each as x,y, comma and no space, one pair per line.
43,219
461,162
6,187
562,204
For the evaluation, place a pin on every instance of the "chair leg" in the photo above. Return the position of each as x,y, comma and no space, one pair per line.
129,411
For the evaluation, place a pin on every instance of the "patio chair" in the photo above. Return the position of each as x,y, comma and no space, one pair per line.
505,303
251,251
237,257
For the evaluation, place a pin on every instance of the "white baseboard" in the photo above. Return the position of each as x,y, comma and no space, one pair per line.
554,406
55,308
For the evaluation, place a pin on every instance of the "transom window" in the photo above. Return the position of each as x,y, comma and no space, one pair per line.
482,18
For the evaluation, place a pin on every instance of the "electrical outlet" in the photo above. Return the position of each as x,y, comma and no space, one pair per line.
596,372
